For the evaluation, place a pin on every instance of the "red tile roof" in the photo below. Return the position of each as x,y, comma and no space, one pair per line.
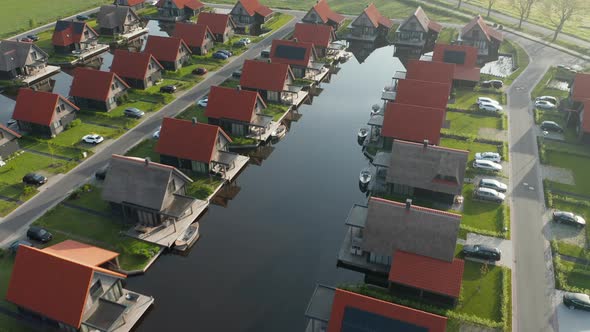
468,71
69,32
376,18
423,93
581,87
254,7
326,13
37,106
192,34
413,123
164,48
132,64
427,273
345,299
216,22
192,4
93,84
183,139
263,75
432,71
427,24
586,116
283,48
134,2
52,285
317,34
234,104
488,31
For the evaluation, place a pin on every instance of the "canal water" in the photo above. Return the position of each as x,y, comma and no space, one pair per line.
258,259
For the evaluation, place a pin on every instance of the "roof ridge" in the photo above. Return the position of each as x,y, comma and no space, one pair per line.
417,207
437,147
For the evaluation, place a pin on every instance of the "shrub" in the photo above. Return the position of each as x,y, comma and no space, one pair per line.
74,123
29,190
547,193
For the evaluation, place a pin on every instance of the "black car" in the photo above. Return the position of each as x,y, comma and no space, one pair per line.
14,245
568,218
496,84
33,37
82,17
482,252
101,173
34,179
168,88
577,301
551,126
237,74
226,52
240,43
200,71
39,234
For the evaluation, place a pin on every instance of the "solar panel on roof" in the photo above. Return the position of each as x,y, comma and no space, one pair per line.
356,320
456,57
290,52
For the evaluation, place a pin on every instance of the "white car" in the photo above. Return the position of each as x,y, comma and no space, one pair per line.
156,134
245,40
543,104
491,156
493,184
487,100
489,194
487,165
551,99
92,139
203,102
483,106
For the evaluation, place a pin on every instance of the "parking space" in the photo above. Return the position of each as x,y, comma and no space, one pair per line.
570,320
505,246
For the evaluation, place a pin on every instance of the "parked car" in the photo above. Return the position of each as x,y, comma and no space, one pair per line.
203,102
156,134
133,112
492,156
26,40
14,245
240,43
101,173
487,100
482,252
543,104
220,56
237,73
82,17
265,54
200,71
496,84
226,52
489,194
493,184
576,301
568,218
39,234
33,37
551,126
490,107
93,139
10,122
245,40
34,179
487,165
551,99
168,88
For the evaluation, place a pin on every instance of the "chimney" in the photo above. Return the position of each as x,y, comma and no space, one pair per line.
408,204
295,40
147,161
426,143
194,121
269,60
238,87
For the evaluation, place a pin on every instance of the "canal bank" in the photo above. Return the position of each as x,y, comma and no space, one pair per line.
258,260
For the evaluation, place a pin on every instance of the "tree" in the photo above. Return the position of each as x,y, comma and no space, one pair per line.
459,4
560,11
490,5
523,8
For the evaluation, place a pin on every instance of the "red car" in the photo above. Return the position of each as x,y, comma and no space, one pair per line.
200,71
26,39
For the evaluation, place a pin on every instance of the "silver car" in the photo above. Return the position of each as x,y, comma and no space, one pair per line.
488,194
493,184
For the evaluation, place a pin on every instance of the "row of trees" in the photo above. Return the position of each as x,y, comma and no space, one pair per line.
557,12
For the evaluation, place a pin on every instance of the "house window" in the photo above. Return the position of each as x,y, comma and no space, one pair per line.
96,290
150,65
199,167
34,55
172,186
62,107
380,259
86,33
272,95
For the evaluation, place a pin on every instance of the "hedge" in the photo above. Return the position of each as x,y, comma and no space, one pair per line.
501,145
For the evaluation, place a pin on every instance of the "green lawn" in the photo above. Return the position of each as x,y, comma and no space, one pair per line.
522,59
466,98
243,141
116,116
559,117
73,136
275,110
578,165
6,207
343,29
145,149
230,83
90,198
447,35
581,209
192,112
541,89
568,249
203,186
99,231
469,123
481,291
472,147
47,146
20,15
277,21
483,215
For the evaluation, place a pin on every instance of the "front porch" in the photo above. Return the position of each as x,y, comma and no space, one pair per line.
229,164
294,96
40,74
317,72
262,127
125,312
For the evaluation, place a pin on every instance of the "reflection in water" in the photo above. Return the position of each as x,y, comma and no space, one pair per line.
362,49
226,194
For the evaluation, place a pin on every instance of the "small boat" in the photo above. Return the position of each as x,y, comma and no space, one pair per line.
375,109
363,133
280,132
345,56
365,177
190,236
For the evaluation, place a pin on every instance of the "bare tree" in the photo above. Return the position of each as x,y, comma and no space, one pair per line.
523,8
490,5
560,11
459,4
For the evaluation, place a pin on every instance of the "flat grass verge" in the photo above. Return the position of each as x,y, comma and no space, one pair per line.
466,98
542,88
482,215
145,149
472,146
203,186
193,111
579,167
470,123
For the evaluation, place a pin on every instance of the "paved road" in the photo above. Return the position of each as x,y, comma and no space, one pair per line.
526,25
14,223
533,283
49,25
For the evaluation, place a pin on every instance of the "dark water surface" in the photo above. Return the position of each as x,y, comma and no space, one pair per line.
258,260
